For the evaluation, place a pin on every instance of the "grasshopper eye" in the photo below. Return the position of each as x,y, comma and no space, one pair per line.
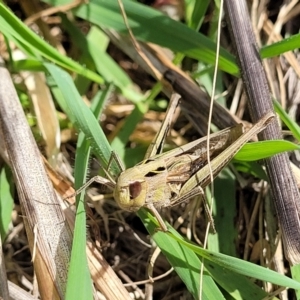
135,189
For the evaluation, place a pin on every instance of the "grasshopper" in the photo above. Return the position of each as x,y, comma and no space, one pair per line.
167,179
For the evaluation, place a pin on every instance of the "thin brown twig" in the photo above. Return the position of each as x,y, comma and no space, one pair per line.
53,10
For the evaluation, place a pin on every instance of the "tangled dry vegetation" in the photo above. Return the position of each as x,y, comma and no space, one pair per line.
124,261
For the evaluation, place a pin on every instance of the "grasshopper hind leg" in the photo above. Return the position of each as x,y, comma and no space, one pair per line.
197,191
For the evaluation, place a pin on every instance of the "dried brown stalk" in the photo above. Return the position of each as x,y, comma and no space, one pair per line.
49,231
283,184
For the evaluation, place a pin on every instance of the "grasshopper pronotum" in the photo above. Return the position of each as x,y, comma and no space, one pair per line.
166,179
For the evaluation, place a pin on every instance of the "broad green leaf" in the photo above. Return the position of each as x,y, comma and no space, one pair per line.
260,150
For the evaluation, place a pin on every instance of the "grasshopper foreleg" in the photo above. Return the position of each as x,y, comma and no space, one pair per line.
111,185
158,217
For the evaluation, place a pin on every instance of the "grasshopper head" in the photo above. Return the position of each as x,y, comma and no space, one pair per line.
131,190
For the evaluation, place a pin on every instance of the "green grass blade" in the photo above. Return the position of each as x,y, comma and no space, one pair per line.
78,265
237,286
239,266
198,14
120,141
13,27
81,116
260,150
78,270
251,167
275,49
296,275
292,125
6,200
108,68
187,266
150,25
183,260
224,212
